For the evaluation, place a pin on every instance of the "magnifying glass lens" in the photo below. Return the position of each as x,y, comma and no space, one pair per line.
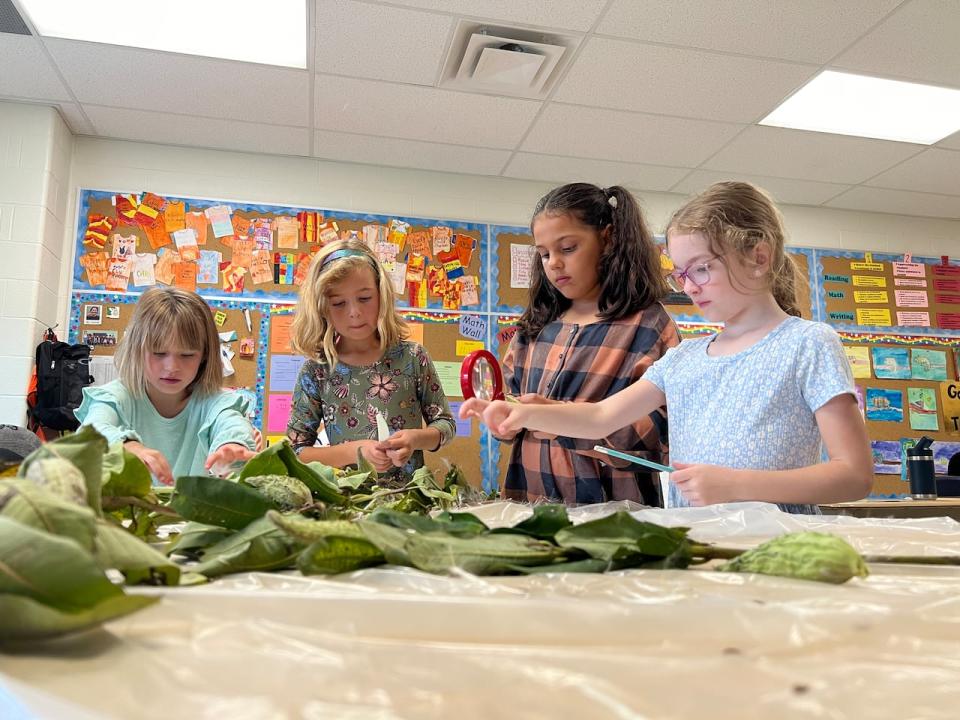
481,378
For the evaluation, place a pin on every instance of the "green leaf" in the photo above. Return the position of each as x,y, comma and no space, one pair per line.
365,466
140,564
197,537
423,478
215,501
280,459
25,619
336,555
546,521
460,523
621,536
404,520
390,540
124,474
85,449
480,554
353,481
31,505
259,546
50,569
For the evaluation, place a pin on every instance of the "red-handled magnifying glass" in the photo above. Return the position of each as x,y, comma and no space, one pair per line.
481,376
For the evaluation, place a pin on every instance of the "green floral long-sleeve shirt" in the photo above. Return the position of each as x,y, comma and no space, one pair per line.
344,401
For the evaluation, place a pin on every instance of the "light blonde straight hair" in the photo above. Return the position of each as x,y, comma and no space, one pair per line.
167,318
736,217
312,334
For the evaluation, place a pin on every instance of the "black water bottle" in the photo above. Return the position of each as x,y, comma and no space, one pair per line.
920,470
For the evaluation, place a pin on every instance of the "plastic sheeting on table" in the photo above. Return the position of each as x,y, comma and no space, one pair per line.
397,643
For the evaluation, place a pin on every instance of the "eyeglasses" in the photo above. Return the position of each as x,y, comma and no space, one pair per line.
698,274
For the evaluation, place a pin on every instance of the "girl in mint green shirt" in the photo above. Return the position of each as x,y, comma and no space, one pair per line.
168,407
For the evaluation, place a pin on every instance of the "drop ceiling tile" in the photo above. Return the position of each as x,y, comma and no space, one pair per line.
75,119
672,81
553,168
792,192
408,153
811,31
626,137
900,202
932,171
165,82
567,15
369,107
27,72
951,143
918,41
380,42
165,128
821,157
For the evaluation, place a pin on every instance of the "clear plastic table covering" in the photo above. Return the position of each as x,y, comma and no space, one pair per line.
393,642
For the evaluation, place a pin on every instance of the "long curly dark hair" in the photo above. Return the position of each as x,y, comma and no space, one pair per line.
629,267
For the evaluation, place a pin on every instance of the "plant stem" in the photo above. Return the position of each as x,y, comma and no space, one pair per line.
712,552
914,559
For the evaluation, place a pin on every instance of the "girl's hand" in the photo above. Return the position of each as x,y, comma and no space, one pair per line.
398,447
706,484
228,454
376,456
473,407
534,399
153,459
505,419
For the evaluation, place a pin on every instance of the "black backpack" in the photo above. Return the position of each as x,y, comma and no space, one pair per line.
63,370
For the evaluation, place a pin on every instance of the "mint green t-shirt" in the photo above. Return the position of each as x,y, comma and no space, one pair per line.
185,440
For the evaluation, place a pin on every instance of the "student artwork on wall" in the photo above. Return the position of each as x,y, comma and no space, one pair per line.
884,405
891,362
128,242
942,452
922,404
927,364
886,457
859,358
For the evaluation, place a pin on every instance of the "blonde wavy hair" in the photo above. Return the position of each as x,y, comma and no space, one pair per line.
312,334
736,217
167,318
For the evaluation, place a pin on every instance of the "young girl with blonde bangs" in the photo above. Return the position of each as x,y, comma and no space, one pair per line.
168,407
749,406
358,365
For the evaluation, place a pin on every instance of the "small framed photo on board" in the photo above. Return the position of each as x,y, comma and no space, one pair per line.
92,314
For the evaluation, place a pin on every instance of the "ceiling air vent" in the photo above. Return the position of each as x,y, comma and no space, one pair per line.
10,20
505,61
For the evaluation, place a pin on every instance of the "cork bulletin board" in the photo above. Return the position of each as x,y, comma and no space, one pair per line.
865,291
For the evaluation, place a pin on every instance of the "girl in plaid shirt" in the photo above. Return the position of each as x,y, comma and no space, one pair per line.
594,324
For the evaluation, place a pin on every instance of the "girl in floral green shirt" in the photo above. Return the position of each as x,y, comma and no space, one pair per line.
359,365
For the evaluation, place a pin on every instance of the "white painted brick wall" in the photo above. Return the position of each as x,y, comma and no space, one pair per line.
35,159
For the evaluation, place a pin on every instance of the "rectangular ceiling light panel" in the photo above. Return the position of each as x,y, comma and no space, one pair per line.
273,33
847,104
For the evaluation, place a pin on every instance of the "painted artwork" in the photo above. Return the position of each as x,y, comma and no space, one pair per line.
884,405
859,358
891,363
922,404
928,364
887,459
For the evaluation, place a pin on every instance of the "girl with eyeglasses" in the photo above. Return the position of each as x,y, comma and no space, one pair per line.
751,406
593,325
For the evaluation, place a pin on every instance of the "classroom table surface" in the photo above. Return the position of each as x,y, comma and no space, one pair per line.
899,508
398,643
